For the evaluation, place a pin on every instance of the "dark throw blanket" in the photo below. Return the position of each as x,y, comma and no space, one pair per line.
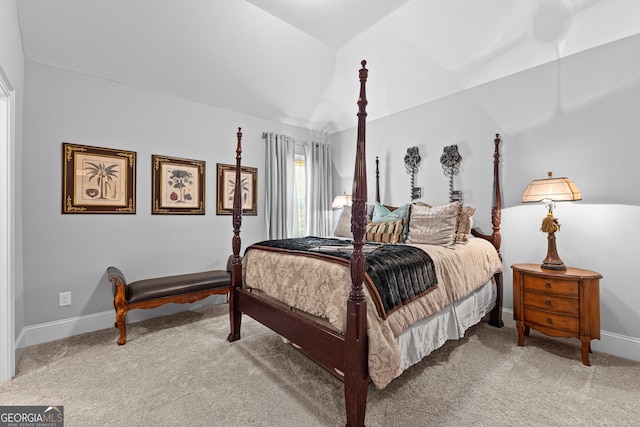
394,274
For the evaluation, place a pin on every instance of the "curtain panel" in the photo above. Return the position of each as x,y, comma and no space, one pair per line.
319,188
279,174
279,185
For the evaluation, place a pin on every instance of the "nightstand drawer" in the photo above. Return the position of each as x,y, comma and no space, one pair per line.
554,303
552,321
558,287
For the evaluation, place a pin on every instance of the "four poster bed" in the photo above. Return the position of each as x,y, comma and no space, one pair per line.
340,303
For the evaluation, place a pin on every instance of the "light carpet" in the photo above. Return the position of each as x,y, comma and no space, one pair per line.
179,370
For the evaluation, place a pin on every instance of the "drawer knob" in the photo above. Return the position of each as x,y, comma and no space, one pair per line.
548,285
548,303
549,320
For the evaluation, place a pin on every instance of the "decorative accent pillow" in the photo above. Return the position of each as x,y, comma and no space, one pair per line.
343,226
385,232
382,213
464,224
370,212
434,225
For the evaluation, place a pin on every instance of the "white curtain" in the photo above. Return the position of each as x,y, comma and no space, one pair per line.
319,192
280,157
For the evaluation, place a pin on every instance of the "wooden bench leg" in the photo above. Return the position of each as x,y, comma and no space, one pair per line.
121,315
121,306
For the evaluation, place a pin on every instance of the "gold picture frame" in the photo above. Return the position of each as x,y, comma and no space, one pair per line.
225,191
177,186
98,180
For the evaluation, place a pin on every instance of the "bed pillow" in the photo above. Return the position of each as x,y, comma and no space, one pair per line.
422,204
385,232
343,226
464,224
370,212
382,213
434,225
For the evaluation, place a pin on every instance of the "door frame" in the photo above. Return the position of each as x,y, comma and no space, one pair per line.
7,226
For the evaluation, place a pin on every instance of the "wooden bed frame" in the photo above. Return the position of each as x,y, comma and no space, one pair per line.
346,353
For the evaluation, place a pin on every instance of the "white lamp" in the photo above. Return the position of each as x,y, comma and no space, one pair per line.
341,201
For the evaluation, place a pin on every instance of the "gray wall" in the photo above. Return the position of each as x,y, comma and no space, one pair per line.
71,252
578,118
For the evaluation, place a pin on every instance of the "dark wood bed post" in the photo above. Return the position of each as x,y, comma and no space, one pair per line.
235,315
495,317
356,378
377,180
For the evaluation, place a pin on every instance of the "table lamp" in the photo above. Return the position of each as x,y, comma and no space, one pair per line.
340,201
551,190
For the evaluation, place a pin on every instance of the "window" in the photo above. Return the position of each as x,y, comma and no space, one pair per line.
298,194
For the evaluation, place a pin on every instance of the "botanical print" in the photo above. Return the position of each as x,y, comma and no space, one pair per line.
179,184
99,180
230,182
226,189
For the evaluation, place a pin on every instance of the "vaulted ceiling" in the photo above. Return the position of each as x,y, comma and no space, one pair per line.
296,61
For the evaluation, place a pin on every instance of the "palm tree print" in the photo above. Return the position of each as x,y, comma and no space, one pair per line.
104,175
180,179
244,186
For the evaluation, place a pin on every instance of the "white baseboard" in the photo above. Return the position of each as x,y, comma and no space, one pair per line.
617,345
609,342
51,331
64,328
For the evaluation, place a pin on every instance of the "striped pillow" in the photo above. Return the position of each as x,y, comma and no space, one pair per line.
385,232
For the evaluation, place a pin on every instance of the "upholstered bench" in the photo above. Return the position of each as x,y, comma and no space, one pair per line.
152,293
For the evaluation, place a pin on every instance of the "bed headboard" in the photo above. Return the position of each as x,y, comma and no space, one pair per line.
496,207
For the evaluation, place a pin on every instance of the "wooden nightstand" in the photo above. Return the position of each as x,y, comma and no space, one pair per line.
557,303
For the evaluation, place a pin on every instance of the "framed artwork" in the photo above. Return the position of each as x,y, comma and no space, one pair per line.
177,185
226,185
98,180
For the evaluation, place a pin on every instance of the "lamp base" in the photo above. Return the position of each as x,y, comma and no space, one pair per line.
552,261
559,267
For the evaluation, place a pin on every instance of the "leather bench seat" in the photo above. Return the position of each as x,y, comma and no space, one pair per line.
161,287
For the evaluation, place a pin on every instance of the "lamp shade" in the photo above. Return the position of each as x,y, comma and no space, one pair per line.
556,189
340,201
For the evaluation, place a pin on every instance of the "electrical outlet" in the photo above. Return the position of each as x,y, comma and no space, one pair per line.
64,299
